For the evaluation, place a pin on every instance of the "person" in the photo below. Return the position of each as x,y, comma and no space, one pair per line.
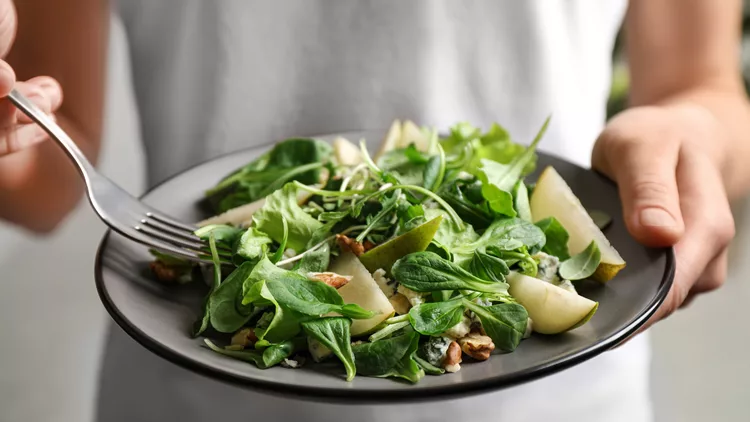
215,76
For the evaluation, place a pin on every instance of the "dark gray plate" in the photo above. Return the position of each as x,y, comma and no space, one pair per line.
160,317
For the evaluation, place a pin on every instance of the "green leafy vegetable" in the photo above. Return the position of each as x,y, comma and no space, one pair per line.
282,204
252,356
435,317
388,330
315,261
276,353
581,265
556,238
488,267
253,244
393,357
505,323
434,171
334,334
521,201
428,368
203,322
221,232
226,311
428,272
282,247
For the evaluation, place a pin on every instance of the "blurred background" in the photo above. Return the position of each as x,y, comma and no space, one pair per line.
52,323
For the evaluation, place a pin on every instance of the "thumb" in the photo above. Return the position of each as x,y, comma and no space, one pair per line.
645,173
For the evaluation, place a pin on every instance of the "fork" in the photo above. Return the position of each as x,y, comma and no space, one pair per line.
119,210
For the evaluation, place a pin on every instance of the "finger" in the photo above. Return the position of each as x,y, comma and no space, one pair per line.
714,276
644,170
10,116
23,137
7,78
8,22
45,87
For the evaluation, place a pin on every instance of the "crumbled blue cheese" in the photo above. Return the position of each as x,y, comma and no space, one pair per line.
482,301
547,268
290,363
459,330
435,349
387,286
415,298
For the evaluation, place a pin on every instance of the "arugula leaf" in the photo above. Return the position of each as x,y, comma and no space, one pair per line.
314,261
414,155
434,171
521,201
392,357
488,267
436,317
556,238
505,176
284,323
226,312
282,204
334,333
428,272
477,213
282,246
498,199
505,323
410,216
581,265
253,244
389,205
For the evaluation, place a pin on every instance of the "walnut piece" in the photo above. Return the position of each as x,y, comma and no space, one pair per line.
368,245
349,244
244,337
164,272
477,346
332,279
452,360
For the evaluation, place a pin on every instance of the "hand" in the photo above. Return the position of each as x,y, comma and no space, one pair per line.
17,131
667,162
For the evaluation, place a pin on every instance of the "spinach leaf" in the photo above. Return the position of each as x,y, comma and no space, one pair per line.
282,246
252,356
556,236
292,159
428,368
282,204
275,353
488,267
510,234
499,200
221,232
296,292
448,234
253,244
435,317
334,333
428,272
581,265
315,261
227,314
284,323
521,199
505,323
392,357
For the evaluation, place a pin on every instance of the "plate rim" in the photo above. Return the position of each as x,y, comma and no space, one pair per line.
366,395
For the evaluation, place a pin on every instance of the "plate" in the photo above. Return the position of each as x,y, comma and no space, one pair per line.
160,317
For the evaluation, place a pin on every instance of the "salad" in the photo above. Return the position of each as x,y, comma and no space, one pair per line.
432,253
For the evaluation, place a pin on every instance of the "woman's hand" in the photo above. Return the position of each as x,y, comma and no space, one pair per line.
668,163
16,130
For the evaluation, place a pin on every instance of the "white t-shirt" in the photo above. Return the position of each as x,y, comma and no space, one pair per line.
215,76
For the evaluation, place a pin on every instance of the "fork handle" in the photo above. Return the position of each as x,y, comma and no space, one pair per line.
83,165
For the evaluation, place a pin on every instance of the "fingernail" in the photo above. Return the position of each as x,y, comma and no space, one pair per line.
656,217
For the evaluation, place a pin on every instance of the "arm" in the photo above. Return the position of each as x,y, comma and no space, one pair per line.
67,41
681,151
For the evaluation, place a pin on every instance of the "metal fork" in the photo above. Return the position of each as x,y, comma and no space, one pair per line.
122,212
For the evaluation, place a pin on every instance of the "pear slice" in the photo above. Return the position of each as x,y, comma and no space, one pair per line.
363,291
552,197
415,240
347,154
553,310
413,134
242,216
391,141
